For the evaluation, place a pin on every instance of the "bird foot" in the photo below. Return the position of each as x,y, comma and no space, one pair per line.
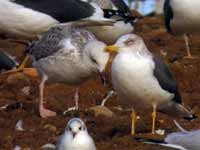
190,57
44,113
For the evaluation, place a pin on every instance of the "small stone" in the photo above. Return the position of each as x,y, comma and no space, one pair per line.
50,127
102,110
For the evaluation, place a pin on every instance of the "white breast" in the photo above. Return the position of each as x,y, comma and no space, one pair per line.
132,78
19,21
186,16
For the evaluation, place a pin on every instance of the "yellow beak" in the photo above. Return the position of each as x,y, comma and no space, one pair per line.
111,48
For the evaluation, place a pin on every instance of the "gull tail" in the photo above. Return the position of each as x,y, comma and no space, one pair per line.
159,142
7,62
177,110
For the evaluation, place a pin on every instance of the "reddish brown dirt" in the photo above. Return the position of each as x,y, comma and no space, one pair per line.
108,133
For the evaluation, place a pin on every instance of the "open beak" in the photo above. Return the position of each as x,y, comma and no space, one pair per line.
111,48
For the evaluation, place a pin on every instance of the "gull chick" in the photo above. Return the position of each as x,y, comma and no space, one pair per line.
67,54
142,79
76,137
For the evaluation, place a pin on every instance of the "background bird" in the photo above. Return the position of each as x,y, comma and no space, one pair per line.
29,19
67,54
142,79
182,140
182,17
75,137
117,10
6,62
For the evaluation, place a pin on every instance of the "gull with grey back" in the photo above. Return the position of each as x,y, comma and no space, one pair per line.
143,80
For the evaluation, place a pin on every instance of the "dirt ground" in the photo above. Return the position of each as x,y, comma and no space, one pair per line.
21,94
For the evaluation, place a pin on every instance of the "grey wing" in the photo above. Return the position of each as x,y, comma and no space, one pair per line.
48,44
188,140
165,79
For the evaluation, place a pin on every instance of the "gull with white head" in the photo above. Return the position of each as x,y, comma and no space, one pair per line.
76,137
142,79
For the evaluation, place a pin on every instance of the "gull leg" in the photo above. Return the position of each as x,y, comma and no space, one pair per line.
76,98
109,95
189,55
44,113
153,119
133,122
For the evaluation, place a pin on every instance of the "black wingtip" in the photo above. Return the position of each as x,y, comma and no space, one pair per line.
124,16
190,118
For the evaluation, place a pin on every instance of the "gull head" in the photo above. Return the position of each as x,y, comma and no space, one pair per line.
75,126
95,56
127,42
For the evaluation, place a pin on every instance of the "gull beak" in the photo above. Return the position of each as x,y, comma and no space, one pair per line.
32,72
73,134
111,48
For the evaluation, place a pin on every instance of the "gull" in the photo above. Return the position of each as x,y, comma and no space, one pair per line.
30,18
67,54
142,79
76,137
118,10
182,17
182,140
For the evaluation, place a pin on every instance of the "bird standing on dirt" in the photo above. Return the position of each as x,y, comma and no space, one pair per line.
76,137
182,17
67,54
142,79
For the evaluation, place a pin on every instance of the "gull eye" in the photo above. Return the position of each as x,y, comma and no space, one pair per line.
70,129
129,42
79,128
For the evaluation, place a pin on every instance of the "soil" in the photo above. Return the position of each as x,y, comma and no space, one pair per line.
20,93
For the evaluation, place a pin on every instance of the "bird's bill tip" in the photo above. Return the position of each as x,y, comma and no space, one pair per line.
111,48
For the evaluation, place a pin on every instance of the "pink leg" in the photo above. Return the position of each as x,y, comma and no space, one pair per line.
44,113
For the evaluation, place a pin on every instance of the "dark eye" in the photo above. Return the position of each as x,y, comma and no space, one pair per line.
129,42
70,129
79,128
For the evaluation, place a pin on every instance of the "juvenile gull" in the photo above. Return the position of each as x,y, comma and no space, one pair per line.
182,17
67,54
75,137
142,79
